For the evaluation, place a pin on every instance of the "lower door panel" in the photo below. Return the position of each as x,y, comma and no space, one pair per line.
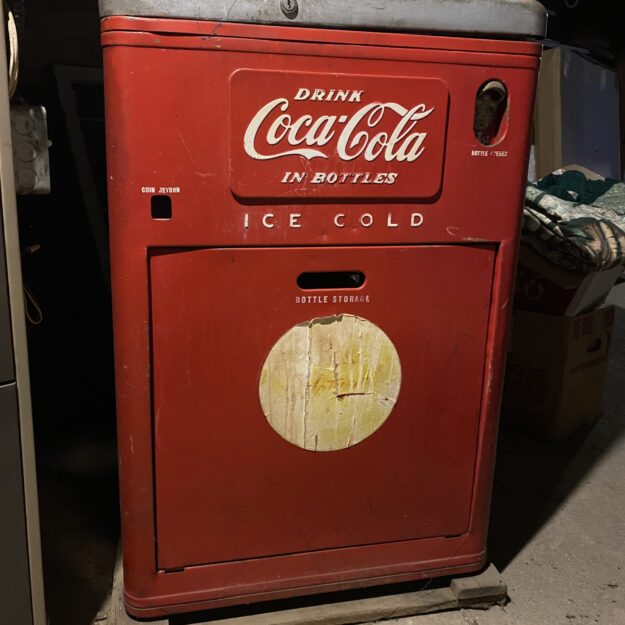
229,485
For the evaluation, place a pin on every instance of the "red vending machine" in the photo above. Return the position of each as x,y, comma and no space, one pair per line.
314,219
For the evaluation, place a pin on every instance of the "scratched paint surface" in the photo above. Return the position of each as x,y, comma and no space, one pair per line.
329,383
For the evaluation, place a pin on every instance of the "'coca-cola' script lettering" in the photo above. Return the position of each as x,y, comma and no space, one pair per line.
360,135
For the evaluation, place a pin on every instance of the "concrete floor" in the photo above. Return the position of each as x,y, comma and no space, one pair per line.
557,531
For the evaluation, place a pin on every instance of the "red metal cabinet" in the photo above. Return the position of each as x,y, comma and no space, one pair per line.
240,157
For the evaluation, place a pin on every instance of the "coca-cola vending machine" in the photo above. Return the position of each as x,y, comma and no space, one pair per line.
314,218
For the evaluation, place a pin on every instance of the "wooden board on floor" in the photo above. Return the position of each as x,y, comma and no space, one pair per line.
480,591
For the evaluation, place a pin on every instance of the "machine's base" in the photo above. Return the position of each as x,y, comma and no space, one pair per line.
481,590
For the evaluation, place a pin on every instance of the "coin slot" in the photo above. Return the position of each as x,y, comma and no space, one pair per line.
316,281
160,206
490,123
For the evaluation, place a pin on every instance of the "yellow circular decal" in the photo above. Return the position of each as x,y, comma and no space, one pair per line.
330,382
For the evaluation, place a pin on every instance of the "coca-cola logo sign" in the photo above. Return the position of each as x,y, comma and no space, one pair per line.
346,138
355,136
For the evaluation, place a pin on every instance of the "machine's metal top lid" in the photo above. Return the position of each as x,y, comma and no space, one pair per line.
509,18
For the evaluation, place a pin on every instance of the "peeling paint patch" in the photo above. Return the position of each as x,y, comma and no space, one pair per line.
329,383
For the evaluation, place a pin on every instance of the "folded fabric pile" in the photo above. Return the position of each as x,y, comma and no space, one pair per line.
576,223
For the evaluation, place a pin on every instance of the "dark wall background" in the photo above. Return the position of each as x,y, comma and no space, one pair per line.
593,24
58,31
71,351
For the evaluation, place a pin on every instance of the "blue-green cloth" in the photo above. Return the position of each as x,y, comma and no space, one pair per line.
576,223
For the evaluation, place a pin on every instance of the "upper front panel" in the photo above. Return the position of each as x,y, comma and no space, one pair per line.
315,135
233,140
516,18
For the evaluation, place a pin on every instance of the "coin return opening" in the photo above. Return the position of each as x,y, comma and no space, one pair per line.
161,207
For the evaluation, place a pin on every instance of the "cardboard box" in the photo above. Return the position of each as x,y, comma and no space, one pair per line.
556,371
577,118
546,288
